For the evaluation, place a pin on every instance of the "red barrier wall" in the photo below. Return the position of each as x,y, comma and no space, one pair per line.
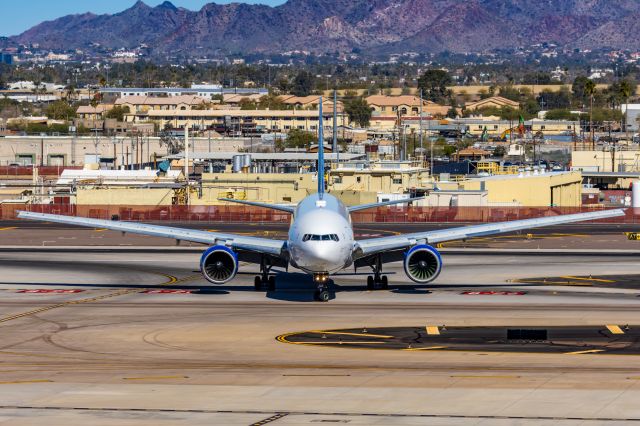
252,214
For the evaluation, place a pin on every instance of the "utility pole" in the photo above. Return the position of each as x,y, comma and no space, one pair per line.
335,126
420,121
186,159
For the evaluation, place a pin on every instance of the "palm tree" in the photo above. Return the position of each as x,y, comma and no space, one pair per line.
625,91
590,90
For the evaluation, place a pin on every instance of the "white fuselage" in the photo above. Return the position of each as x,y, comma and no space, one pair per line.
321,236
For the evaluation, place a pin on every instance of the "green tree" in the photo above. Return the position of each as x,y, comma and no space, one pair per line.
300,139
117,112
500,151
60,110
246,104
579,89
303,84
433,84
560,114
358,111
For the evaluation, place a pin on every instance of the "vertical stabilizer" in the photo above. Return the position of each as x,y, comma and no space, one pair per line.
320,150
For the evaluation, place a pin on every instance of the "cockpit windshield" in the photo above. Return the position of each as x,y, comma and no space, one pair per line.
316,237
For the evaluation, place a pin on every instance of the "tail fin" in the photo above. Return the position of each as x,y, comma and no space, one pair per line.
320,150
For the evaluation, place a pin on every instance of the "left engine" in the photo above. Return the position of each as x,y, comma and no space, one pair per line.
422,263
219,264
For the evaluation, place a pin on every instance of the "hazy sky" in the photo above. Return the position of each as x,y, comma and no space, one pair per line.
20,15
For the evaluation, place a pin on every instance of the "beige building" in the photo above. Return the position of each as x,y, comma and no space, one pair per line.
142,104
404,105
352,182
492,102
261,120
605,160
497,127
558,189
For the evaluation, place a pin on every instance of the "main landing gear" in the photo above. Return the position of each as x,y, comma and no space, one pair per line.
264,280
322,292
377,281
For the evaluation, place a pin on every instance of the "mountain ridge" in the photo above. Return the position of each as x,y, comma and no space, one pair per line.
322,26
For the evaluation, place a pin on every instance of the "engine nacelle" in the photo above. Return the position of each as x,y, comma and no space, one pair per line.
422,264
219,264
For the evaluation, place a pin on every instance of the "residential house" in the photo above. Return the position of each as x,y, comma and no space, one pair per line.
404,105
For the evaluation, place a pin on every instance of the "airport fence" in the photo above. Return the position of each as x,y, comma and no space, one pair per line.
230,213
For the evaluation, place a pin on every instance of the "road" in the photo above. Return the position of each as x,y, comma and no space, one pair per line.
138,337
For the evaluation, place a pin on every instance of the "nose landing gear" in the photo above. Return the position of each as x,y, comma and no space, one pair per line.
322,292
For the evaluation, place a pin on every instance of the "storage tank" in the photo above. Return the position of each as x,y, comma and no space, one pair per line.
238,161
635,195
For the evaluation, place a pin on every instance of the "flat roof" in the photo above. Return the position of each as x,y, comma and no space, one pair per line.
521,175
610,174
259,156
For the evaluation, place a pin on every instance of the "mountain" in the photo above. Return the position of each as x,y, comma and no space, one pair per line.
342,25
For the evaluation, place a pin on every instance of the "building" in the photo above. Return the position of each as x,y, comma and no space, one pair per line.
311,102
633,114
203,91
239,121
404,105
492,102
556,189
143,104
500,128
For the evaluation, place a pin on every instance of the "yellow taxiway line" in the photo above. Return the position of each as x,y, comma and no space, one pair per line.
430,348
591,351
382,336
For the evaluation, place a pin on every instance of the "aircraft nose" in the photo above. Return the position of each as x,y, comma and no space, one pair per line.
323,256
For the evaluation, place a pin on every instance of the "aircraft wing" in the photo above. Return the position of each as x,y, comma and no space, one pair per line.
376,245
287,209
384,203
240,242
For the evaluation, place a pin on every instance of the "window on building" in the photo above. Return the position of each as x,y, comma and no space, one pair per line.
287,127
542,127
358,179
495,127
403,111
397,181
395,108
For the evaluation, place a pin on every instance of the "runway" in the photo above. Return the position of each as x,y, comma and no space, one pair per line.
139,337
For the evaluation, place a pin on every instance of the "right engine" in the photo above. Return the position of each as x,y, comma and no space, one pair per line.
422,264
219,264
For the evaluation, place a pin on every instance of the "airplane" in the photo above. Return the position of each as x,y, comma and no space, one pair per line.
321,241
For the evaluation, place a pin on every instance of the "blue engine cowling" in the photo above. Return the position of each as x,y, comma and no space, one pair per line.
422,263
219,264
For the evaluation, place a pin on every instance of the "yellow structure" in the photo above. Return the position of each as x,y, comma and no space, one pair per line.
494,168
351,183
124,196
606,161
558,189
